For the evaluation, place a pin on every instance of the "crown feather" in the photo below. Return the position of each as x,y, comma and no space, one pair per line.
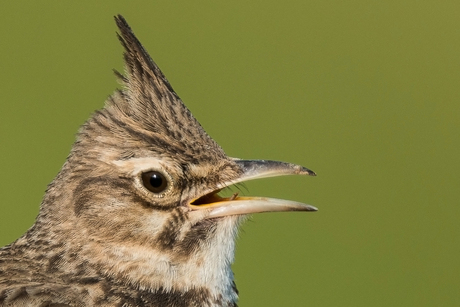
148,108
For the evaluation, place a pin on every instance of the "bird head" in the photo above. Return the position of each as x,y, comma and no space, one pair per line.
139,193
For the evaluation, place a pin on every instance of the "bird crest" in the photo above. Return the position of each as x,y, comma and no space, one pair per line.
148,110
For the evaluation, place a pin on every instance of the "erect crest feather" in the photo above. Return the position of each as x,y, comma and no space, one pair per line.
149,104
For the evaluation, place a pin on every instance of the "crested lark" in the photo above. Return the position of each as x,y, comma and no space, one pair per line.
134,217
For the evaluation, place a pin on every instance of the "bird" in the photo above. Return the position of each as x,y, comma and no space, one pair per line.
134,217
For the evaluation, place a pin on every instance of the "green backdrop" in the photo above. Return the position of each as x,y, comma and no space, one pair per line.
366,93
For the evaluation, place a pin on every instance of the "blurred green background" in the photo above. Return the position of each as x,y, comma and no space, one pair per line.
366,93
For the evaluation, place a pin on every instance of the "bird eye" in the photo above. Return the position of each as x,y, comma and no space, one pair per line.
154,181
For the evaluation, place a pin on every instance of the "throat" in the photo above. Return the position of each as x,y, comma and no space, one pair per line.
203,272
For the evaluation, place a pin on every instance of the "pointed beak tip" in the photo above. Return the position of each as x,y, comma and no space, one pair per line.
302,170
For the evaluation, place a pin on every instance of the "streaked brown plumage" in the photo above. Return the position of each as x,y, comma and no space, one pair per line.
133,218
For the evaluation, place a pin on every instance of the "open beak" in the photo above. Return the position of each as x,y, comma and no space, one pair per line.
236,205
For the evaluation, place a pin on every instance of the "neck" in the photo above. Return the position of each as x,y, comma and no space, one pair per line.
205,273
203,278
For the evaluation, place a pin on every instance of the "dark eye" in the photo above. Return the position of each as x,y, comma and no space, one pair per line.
154,181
